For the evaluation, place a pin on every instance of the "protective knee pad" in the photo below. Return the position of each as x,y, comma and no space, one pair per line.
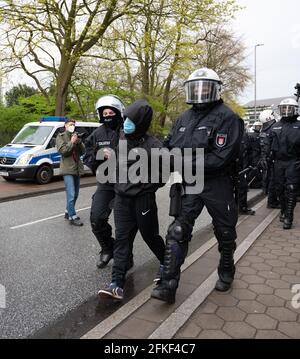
176,250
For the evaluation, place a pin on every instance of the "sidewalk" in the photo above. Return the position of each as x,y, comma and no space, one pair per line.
260,303
258,306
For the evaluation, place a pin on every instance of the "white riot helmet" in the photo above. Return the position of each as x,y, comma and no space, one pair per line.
288,108
203,86
257,126
109,101
266,116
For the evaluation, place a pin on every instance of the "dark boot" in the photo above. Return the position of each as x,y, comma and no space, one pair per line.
166,291
107,251
226,268
281,217
247,211
175,252
290,205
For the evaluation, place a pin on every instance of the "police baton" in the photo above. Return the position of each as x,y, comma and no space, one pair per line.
246,170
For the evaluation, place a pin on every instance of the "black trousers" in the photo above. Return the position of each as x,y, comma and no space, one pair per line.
271,187
132,214
100,212
286,173
217,197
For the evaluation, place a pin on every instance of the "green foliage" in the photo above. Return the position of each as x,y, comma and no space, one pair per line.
237,108
21,90
12,120
38,104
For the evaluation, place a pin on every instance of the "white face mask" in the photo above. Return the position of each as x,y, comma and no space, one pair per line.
71,128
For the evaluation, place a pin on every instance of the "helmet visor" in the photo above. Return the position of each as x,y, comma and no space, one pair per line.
202,91
287,110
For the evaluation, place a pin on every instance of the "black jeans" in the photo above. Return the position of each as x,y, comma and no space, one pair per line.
132,214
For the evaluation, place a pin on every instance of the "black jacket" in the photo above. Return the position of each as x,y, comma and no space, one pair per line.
265,138
245,152
285,140
102,137
218,130
255,147
141,114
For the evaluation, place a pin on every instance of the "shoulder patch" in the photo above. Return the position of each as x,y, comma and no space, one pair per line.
221,139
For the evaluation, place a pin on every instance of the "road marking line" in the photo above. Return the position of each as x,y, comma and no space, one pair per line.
107,325
46,219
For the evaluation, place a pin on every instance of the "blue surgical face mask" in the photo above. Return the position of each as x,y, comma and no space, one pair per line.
128,126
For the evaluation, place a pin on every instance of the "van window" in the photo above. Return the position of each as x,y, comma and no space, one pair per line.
33,135
52,142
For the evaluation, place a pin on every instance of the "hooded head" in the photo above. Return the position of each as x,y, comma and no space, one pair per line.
138,117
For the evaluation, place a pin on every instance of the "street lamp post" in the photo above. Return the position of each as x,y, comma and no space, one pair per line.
255,79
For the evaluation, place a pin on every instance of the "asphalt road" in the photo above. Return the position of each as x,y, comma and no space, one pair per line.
48,267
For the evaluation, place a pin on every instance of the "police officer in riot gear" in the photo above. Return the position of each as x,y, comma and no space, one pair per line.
285,151
255,177
244,169
211,125
110,113
268,120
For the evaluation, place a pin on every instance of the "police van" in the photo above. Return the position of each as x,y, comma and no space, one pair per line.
32,153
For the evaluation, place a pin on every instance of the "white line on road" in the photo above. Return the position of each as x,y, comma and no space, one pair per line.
46,219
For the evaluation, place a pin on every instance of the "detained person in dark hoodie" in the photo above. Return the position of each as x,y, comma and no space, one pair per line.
135,203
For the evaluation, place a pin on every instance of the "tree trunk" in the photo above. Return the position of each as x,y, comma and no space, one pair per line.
63,80
166,96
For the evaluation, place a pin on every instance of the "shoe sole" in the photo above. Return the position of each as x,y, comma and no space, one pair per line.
76,225
106,294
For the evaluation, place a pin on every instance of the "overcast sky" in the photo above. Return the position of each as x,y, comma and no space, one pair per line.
276,24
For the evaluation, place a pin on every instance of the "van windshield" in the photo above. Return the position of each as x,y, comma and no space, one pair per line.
33,135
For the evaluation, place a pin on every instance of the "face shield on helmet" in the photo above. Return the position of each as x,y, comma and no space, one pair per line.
203,86
288,108
266,116
257,126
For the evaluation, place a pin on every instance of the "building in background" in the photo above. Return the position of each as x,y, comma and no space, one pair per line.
261,105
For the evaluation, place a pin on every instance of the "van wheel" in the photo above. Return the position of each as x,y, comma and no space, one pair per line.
44,174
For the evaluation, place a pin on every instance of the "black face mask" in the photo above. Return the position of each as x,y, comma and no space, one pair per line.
111,122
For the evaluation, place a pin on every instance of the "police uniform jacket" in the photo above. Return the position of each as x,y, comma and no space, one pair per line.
217,129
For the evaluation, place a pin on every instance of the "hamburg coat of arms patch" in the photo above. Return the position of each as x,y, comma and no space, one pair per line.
221,139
